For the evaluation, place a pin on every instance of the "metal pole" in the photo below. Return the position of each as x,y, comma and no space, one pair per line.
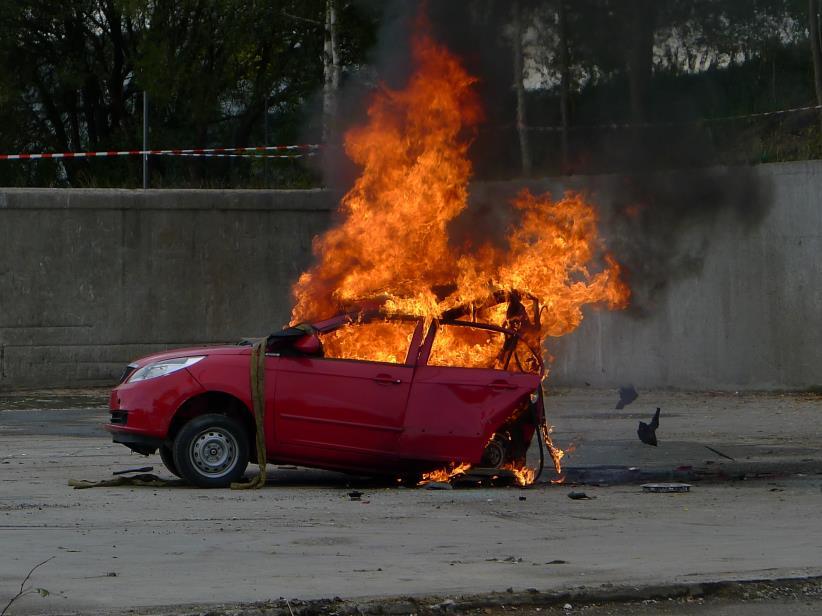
145,140
265,142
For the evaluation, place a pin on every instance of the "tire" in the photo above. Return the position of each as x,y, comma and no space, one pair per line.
497,452
167,456
211,451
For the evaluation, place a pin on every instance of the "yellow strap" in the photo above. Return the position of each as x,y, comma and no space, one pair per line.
258,405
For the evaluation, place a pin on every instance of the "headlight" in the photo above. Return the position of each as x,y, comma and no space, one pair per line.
162,368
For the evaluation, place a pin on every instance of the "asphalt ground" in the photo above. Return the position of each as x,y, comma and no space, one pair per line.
302,538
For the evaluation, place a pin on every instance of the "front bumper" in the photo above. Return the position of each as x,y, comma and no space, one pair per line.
141,412
134,440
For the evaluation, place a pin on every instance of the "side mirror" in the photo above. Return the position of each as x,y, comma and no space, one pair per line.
309,345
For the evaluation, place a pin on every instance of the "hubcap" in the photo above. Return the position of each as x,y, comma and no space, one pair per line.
214,452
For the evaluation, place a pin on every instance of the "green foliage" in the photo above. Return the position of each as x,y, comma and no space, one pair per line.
243,72
72,76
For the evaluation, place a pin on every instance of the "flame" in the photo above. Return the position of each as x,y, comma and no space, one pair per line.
554,452
351,342
393,246
524,475
445,474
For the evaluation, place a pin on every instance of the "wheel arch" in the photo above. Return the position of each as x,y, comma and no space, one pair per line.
218,402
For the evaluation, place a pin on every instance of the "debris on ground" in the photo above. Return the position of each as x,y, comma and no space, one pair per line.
666,487
139,469
438,485
578,496
719,453
647,432
355,495
627,395
146,480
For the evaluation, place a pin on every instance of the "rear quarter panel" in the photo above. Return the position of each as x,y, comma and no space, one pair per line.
452,412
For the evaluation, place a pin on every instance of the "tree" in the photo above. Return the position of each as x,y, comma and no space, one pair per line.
816,50
331,71
564,79
639,51
519,88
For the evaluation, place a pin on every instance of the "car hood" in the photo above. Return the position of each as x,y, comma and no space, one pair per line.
229,349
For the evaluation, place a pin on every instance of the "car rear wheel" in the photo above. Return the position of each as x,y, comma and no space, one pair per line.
496,452
211,451
167,456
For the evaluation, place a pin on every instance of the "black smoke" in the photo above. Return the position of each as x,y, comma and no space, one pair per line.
662,183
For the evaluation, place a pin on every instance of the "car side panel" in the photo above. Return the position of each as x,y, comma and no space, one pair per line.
452,412
340,412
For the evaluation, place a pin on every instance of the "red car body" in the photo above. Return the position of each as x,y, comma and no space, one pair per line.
365,417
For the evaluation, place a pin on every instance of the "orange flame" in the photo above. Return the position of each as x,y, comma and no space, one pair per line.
393,247
445,474
524,475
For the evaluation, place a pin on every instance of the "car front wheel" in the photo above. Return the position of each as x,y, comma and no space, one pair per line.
167,456
211,451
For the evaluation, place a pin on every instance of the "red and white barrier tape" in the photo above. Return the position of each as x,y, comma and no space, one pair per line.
260,150
257,155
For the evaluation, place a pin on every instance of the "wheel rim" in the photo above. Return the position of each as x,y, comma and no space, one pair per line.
494,454
214,452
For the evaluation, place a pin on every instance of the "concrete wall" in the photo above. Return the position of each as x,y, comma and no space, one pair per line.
90,279
750,319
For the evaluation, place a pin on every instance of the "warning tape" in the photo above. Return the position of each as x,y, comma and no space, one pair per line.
261,149
310,149
222,155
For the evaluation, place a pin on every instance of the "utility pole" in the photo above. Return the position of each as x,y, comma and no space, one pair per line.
145,140
265,143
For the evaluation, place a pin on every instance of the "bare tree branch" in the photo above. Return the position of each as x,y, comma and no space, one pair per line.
306,19
23,589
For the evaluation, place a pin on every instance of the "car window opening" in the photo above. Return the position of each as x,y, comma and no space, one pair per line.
380,341
464,346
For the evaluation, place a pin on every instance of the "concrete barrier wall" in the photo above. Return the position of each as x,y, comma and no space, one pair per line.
90,279
750,319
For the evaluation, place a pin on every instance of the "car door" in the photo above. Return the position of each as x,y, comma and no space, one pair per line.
341,412
453,411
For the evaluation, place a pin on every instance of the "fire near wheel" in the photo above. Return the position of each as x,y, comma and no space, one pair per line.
496,451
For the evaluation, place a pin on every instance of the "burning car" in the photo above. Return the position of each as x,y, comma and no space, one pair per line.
401,412
457,381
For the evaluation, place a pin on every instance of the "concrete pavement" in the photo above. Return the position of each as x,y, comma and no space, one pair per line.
302,537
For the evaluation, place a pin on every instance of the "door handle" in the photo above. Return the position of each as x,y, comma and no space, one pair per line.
502,385
386,379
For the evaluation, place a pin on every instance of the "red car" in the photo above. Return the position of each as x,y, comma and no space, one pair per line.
398,412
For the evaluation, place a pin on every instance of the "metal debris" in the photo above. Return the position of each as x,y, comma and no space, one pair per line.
627,395
647,432
139,469
719,453
666,487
